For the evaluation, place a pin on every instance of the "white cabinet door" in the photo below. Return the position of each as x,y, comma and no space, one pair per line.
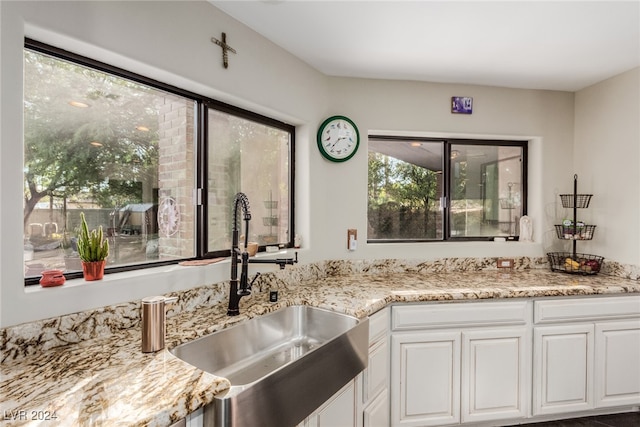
376,375
563,366
495,374
376,414
339,411
425,368
375,378
617,370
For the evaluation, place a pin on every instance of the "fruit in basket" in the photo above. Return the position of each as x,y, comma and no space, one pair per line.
593,264
570,264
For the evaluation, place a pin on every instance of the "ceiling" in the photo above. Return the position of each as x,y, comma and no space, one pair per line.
557,45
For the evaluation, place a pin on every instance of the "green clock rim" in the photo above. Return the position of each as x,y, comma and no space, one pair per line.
319,138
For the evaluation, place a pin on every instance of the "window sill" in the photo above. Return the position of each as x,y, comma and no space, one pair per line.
77,295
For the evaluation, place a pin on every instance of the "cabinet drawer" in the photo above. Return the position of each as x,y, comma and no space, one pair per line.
378,325
409,317
577,309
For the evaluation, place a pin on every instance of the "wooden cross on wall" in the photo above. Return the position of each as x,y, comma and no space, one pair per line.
225,48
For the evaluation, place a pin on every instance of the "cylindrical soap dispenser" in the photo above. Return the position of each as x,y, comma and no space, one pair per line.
153,322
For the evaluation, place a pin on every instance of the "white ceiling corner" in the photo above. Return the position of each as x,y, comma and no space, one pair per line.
552,45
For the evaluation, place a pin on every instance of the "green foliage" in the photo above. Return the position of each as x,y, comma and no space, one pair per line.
405,184
401,198
92,246
77,154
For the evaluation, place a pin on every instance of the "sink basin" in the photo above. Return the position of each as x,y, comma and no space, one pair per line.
282,365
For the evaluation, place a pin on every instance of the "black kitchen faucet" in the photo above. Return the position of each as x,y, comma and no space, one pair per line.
237,256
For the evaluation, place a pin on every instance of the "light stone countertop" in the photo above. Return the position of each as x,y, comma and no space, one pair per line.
108,381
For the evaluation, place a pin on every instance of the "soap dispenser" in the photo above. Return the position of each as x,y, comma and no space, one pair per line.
153,322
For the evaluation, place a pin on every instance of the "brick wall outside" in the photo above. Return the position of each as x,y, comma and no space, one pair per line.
176,172
220,182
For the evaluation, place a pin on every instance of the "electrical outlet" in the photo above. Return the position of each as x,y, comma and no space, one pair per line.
505,263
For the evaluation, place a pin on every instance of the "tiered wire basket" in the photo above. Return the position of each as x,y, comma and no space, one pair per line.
573,232
575,200
271,221
573,262
568,262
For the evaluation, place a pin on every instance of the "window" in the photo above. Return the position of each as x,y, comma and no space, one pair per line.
252,157
426,189
130,152
487,190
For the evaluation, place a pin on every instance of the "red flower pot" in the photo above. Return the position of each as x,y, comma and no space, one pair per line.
52,278
93,270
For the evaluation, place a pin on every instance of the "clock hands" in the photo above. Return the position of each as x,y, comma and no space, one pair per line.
338,140
331,147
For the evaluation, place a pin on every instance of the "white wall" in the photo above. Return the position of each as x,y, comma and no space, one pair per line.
423,109
607,159
170,41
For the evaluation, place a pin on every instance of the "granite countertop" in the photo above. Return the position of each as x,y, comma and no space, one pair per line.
109,381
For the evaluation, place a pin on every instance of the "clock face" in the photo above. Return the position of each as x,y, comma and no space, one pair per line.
338,138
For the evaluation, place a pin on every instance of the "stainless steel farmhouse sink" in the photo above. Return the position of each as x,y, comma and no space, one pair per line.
281,365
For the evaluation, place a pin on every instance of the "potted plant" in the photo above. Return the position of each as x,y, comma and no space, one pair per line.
93,250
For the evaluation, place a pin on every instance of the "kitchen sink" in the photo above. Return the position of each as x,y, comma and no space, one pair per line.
281,366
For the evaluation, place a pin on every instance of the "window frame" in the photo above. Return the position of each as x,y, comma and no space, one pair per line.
446,182
203,170
202,103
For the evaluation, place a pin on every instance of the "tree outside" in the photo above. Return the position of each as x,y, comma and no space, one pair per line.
403,200
90,143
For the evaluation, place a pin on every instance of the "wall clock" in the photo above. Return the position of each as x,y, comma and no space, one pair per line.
338,138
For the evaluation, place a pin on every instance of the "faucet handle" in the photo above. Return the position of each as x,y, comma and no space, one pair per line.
254,279
246,292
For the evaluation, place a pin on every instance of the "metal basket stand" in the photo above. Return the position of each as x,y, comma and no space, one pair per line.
573,262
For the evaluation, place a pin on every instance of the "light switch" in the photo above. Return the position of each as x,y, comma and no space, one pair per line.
352,239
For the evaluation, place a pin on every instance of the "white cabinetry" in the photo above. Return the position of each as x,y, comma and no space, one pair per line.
617,363
586,353
375,378
339,411
376,413
425,375
495,366
463,362
563,369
